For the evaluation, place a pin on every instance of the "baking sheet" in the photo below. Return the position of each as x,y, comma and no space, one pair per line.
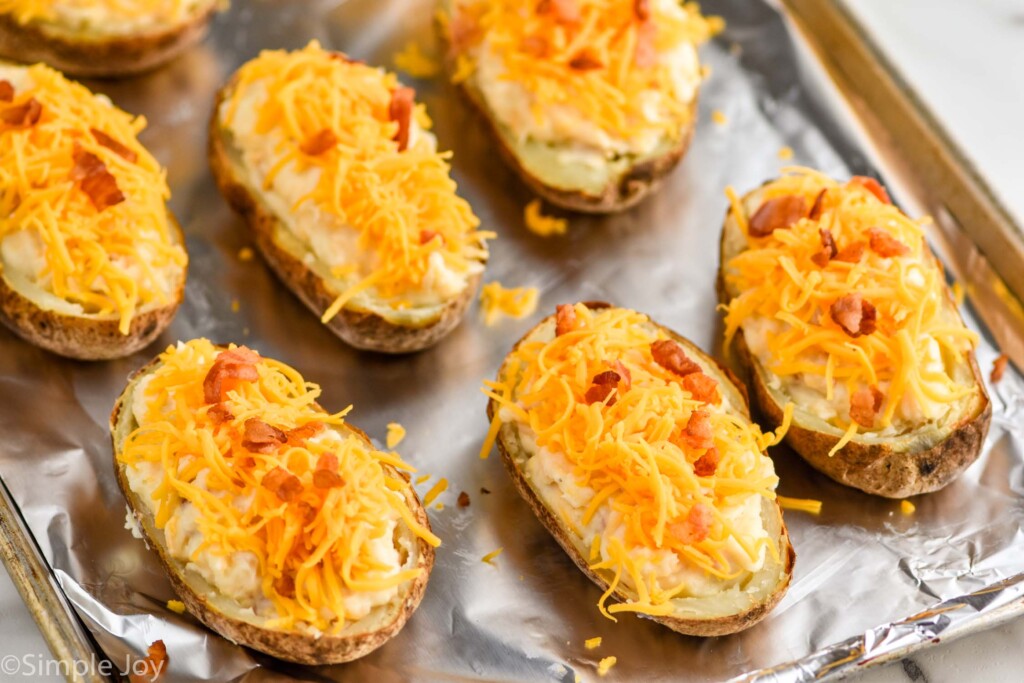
860,564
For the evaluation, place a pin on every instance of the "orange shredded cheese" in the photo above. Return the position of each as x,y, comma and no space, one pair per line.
400,203
592,643
436,490
590,63
413,61
719,117
639,453
907,508
791,281
800,504
542,225
497,301
308,508
110,261
245,254
396,433
786,153
176,606
605,665
489,557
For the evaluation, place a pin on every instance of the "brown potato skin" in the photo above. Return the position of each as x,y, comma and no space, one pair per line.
359,328
891,470
107,57
88,337
716,626
291,646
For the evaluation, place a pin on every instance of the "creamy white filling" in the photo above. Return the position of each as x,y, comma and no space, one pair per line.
121,17
567,126
236,574
331,240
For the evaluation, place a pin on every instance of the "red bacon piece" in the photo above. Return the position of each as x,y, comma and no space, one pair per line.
297,435
326,476
219,414
585,60
777,214
153,666
698,433
707,463
646,54
872,186
285,585
319,142
999,368
885,245
670,355
642,9
701,387
626,377
855,314
282,484
427,235
828,248
696,527
463,31
463,500
114,146
817,206
95,180
22,115
261,437
603,384
852,253
565,319
565,11
238,364
865,404
6,91
400,110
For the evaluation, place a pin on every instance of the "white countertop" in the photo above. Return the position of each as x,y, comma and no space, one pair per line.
957,54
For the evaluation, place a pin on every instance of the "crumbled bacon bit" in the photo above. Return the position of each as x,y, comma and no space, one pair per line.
565,319
872,186
707,463
855,314
865,404
624,373
646,54
999,367
285,586
642,9
670,355
427,235
829,249
484,491
585,60
400,110
297,435
282,484
152,667
885,245
463,31
701,387
6,91
698,433
777,214
852,253
96,181
114,146
695,527
319,142
818,205
603,385
22,115
261,437
326,476
219,414
237,364
463,500
565,11
307,511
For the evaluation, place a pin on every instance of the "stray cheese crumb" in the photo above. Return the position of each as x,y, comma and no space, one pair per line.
396,433
439,506
413,61
800,504
422,478
605,665
542,225
958,293
719,117
516,302
245,254
786,153
593,643
906,507
176,606
235,305
489,557
435,491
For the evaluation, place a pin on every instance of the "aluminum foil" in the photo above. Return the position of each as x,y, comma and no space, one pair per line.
861,563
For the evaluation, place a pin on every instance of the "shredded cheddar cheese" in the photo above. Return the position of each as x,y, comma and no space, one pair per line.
786,153
800,504
436,490
333,120
542,225
635,449
313,505
907,508
490,557
603,61
110,261
592,643
497,301
413,61
719,117
176,606
605,665
396,433
789,289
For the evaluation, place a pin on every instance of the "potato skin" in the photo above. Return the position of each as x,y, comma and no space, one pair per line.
293,646
100,57
88,337
362,329
715,626
895,469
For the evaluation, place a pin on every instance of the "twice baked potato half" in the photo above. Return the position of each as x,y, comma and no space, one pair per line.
592,103
835,303
102,38
93,263
332,165
280,526
636,451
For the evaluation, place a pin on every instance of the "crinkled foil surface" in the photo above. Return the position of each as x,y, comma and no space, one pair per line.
861,566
